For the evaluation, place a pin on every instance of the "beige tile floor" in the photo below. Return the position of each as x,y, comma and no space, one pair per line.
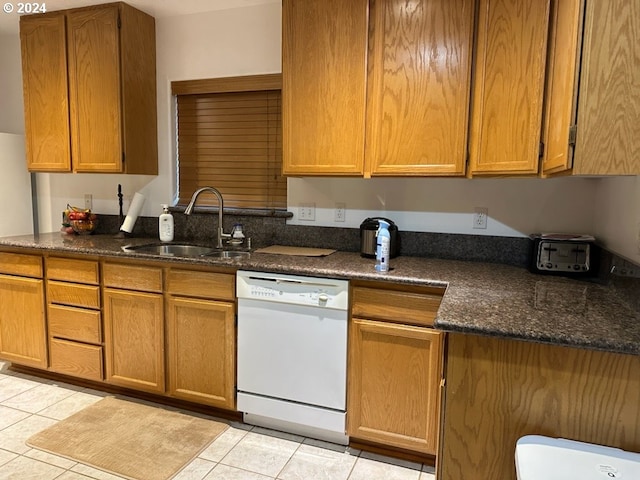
30,404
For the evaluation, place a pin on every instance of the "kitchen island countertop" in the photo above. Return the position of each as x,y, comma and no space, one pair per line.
480,298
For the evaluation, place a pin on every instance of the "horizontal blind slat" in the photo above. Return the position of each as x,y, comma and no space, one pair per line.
232,141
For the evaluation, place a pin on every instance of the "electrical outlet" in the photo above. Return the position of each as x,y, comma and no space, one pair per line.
88,201
340,212
623,268
480,217
307,211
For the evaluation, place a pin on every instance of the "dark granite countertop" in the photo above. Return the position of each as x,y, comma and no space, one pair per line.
480,298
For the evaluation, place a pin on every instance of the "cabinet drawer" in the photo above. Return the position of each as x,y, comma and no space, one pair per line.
73,270
132,277
201,284
397,306
73,294
77,359
21,264
74,324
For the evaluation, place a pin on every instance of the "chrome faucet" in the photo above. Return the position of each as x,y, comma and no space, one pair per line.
189,210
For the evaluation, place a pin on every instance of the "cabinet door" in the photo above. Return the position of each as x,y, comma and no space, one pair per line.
44,78
324,50
201,356
499,390
22,322
94,89
509,85
139,99
419,86
134,339
608,139
561,89
394,383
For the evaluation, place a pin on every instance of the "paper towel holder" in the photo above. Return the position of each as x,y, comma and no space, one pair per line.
135,208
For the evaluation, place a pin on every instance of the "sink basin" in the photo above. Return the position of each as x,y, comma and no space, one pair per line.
170,249
182,250
226,254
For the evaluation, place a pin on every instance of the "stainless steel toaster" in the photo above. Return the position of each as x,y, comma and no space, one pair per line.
563,254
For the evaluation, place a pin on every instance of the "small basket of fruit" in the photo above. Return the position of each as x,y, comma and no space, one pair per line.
79,220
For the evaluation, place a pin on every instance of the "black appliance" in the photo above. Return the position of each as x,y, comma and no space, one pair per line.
368,229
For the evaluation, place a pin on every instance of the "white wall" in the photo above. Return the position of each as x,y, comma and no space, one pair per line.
11,110
224,43
246,41
516,206
617,215
15,183
15,187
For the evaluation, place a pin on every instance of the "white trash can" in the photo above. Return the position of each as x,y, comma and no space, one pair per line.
545,458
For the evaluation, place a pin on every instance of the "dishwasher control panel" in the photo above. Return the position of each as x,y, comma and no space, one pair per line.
294,289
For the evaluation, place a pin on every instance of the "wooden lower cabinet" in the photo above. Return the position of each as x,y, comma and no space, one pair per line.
74,317
151,327
75,341
134,339
498,390
76,359
201,351
394,384
22,321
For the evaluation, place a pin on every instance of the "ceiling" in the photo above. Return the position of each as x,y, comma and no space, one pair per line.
156,8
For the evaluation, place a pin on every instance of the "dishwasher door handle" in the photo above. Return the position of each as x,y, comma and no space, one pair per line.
306,284
285,281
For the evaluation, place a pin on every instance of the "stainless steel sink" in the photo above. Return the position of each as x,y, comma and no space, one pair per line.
170,249
182,250
227,254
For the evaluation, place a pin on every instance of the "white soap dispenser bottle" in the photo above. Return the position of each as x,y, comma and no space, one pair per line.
165,225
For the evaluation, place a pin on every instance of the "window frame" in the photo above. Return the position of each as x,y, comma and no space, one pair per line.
237,84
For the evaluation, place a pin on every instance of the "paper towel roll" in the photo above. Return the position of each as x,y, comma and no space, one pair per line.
132,213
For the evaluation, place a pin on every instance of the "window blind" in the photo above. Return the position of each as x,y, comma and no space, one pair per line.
233,142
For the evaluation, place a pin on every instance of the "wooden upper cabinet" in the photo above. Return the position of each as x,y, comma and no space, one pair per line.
419,86
594,88
94,89
107,65
324,49
508,87
561,89
377,87
46,106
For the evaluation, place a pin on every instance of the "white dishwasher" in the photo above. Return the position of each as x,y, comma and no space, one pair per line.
292,353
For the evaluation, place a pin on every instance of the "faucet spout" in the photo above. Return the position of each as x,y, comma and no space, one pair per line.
216,192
